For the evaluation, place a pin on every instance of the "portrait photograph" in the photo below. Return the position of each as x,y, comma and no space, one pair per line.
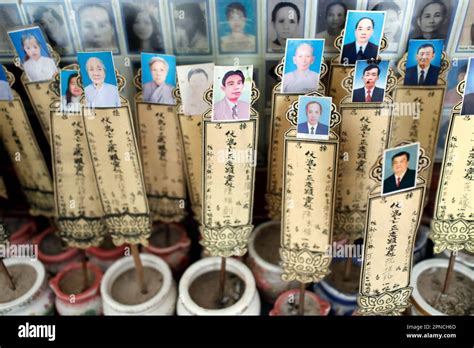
362,36
31,47
96,25
399,168
302,66
71,92
433,19
9,18
158,78
97,72
314,115
285,20
5,90
331,17
466,37
51,16
394,20
370,81
194,80
232,92
456,74
237,26
142,26
423,62
468,97
190,27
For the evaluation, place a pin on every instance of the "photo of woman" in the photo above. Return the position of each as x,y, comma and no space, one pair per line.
143,31
71,93
285,21
433,19
30,46
158,78
98,76
96,26
190,27
51,19
237,26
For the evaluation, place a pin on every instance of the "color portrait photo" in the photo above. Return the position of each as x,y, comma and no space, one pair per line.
302,65
232,93
158,78
30,46
400,167
99,79
362,36
314,115
370,81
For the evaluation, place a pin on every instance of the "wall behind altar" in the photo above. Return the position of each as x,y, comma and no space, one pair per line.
197,31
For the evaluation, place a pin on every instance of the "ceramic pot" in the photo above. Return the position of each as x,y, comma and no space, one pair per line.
162,303
420,306
248,304
38,300
87,302
104,258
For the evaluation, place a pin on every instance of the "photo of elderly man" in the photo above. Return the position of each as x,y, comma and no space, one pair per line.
425,71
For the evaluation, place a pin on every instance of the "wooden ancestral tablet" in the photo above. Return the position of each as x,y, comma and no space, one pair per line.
30,166
308,202
390,233
279,125
229,162
453,222
162,158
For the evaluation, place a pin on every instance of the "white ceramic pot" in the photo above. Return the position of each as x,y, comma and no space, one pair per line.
163,303
462,257
248,304
267,275
38,300
420,306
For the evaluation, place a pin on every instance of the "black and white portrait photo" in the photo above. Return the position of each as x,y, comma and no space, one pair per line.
331,19
285,20
96,25
433,19
143,30
190,26
52,18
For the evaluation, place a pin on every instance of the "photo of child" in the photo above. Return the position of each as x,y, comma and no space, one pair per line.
30,45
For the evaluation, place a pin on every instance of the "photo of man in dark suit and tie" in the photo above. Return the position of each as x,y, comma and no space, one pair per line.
231,108
402,178
424,73
369,93
361,48
314,114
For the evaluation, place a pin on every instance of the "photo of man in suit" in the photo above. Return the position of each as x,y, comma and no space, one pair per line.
369,93
361,48
230,108
424,73
403,177
313,126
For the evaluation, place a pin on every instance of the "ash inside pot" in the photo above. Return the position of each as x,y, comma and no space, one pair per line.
23,276
126,288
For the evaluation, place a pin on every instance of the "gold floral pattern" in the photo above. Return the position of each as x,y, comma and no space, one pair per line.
303,265
389,303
